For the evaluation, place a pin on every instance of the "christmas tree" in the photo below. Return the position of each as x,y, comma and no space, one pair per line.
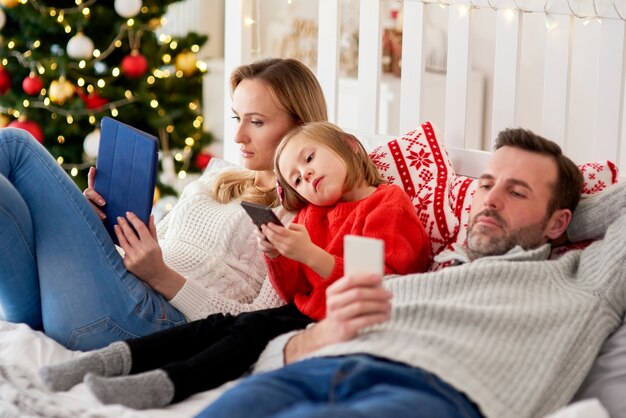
65,64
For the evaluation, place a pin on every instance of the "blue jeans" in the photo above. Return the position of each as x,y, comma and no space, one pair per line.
59,269
350,386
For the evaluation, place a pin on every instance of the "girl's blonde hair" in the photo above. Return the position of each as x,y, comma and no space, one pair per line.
347,147
295,90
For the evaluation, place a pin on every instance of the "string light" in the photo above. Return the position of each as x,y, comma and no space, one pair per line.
511,12
45,104
549,23
617,11
595,10
52,11
463,10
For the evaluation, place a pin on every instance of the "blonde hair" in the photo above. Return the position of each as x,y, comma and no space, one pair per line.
360,167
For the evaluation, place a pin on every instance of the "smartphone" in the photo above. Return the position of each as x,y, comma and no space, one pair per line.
363,255
261,214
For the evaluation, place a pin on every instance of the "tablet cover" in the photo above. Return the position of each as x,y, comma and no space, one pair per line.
126,171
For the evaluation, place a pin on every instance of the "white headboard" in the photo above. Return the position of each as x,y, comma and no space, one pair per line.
576,33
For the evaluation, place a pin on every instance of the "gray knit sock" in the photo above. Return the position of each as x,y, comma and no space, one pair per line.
152,389
113,360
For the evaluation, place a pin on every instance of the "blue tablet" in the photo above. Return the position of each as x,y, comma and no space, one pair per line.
126,171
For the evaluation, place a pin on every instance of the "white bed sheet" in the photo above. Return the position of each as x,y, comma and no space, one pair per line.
23,351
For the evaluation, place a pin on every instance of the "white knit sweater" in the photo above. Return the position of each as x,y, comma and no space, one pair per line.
517,333
214,247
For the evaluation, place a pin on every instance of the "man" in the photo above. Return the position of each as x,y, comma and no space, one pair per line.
504,333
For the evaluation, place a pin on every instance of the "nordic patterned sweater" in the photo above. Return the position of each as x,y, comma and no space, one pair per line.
213,245
516,333
386,214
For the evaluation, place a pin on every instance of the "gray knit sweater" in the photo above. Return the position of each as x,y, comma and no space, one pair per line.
516,333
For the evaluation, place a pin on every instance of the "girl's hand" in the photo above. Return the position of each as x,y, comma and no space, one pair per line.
92,196
265,245
293,242
143,256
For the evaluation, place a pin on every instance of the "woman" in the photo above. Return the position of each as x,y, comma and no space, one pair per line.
62,273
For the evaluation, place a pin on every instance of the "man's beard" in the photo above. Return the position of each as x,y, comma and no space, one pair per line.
481,244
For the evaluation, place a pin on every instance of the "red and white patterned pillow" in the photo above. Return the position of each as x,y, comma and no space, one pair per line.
419,163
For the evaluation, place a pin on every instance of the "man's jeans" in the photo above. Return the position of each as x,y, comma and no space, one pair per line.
59,269
350,386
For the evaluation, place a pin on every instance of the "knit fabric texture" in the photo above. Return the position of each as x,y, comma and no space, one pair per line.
386,214
214,247
517,333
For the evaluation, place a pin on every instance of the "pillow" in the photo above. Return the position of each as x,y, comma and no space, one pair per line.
419,163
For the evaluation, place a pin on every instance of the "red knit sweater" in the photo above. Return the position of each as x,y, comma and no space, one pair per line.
387,214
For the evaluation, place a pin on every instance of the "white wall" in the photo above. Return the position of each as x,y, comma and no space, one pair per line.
583,82
274,19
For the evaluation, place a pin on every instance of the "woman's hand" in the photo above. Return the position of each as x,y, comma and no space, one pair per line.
92,196
143,256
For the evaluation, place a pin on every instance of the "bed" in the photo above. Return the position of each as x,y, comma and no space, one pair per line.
557,68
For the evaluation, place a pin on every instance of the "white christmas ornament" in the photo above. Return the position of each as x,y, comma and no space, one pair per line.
80,47
3,18
127,8
91,143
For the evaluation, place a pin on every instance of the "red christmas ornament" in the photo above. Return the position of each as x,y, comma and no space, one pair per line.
134,65
93,100
5,80
202,160
30,126
32,85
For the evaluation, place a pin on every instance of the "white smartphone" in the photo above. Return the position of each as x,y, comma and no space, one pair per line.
363,255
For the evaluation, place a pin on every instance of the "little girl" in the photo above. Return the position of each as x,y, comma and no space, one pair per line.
327,175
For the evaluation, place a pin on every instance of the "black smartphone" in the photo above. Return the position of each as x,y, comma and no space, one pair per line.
261,214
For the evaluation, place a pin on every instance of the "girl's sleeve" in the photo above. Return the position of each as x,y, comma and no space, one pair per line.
288,277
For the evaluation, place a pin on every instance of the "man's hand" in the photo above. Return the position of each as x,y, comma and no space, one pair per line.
94,197
143,256
352,304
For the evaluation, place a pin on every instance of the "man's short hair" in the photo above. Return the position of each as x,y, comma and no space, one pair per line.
569,181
